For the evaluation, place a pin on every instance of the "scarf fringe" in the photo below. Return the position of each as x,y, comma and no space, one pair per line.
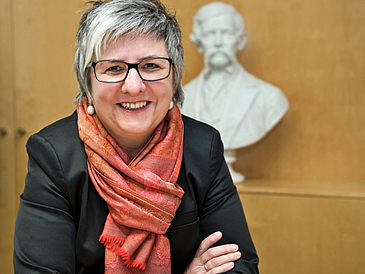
110,242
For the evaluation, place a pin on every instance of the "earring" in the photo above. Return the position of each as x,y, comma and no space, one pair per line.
90,110
171,105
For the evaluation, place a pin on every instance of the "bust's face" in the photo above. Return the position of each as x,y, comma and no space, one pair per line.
219,41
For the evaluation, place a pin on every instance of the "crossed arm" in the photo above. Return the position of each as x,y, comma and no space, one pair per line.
210,259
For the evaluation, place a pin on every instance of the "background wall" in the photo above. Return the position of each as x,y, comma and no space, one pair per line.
312,50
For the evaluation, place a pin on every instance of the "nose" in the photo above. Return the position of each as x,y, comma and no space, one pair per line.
218,39
133,84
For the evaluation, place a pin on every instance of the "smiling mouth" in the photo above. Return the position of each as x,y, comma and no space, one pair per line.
133,106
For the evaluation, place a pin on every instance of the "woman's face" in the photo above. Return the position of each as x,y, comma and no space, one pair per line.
132,126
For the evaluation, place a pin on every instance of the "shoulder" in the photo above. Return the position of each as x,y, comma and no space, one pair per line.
192,85
267,90
268,94
61,130
61,134
203,149
198,134
248,79
58,147
191,124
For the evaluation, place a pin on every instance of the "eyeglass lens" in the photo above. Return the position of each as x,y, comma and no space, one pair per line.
116,71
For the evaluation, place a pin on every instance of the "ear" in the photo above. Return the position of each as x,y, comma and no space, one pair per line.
241,41
197,42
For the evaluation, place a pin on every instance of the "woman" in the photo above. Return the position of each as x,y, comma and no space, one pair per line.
126,184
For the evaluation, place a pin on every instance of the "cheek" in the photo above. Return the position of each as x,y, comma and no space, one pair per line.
98,89
92,82
102,92
164,91
93,87
171,92
101,99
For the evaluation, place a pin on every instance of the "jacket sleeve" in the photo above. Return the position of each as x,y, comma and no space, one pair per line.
221,210
45,232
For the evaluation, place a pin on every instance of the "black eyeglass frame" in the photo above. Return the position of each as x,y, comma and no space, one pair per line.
130,66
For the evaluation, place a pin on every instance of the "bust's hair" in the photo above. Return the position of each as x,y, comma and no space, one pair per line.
212,10
106,21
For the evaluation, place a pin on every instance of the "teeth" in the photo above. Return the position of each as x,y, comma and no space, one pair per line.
134,105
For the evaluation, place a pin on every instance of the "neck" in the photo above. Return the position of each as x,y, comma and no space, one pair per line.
132,145
133,151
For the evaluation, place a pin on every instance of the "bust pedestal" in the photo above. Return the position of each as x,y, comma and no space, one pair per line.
230,156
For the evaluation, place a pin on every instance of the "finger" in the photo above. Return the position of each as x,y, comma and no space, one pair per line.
208,242
223,261
222,251
221,269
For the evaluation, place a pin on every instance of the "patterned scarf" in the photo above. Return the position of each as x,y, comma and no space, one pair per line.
141,193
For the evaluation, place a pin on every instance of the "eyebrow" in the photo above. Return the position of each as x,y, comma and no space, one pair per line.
142,59
149,56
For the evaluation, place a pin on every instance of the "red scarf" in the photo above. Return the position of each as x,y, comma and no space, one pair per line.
141,193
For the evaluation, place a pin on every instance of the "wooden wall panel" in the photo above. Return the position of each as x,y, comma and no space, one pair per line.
314,52
37,86
306,233
44,81
7,159
310,222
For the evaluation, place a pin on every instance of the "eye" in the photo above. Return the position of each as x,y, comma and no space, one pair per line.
209,35
228,35
111,67
115,69
150,66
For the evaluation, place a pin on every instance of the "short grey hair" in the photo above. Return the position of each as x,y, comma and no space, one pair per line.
106,21
212,10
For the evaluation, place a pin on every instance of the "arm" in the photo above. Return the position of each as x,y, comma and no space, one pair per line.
210,259
45,230
221,210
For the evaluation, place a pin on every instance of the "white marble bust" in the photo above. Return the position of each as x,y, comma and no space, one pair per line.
242,107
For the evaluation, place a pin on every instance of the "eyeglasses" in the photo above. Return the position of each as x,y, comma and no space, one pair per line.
115,71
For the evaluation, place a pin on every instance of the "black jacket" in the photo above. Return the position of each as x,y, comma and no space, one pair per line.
61,216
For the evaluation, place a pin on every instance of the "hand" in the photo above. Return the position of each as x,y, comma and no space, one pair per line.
217,259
